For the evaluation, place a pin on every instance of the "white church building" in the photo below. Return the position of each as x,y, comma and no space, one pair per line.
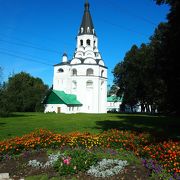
80,84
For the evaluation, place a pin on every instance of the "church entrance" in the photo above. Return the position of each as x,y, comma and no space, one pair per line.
58,109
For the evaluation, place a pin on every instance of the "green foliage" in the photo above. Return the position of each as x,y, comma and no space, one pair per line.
42,177
135,77
38,177
117,154
22,93
74,161
163,175
170,57
112,90
150,74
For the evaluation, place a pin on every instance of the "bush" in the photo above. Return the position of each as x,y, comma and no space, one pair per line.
74,161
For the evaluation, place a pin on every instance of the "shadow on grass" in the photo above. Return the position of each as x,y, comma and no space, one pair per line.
162,128
17,115
2,124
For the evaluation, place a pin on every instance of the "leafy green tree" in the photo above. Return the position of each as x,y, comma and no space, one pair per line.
170,57
150,74
113,90
24,93
139,80
125,77
5,108
1,74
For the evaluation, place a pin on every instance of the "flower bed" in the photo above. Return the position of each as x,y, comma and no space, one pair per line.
167,153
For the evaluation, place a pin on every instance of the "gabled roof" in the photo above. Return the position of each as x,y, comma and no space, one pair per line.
114,98
87,26
60,97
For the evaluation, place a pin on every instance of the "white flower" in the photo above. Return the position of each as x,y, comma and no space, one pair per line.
107,167
52,159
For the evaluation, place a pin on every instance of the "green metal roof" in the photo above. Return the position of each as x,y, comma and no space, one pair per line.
60,97
114,98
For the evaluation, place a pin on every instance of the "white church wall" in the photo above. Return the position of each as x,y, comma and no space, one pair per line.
61,79
63,108
54,108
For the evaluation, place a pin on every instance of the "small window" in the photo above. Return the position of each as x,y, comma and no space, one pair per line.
89,84
74,85
88,42
102,73
60,70
81,42
89,72
74,72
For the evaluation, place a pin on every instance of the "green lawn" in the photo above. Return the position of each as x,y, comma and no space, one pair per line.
22,123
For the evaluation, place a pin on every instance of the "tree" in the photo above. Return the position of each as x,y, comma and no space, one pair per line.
150,74
113,90
1,72
170,48
24,93
5,108
125,78
139,80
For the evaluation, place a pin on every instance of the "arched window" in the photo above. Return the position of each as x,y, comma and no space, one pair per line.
89,72
74,72
89,84
81,29
60,70
74,85
88,42
102,82
81,42
88,30
102,73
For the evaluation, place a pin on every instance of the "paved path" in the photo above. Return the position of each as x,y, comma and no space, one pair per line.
5,176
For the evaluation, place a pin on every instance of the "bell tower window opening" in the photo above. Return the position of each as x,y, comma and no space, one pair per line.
88,30
88,42
89,72
81,42
81,29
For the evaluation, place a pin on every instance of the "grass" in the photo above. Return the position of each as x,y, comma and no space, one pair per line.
23,123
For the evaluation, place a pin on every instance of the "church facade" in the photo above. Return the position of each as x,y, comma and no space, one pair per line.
80,84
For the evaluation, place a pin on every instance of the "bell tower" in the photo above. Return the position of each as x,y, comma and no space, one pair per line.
85,75
87,41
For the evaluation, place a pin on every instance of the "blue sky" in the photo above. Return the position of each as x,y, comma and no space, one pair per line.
35,33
